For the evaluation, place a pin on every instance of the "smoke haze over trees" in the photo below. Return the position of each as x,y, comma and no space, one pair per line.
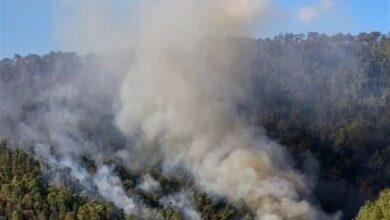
325,99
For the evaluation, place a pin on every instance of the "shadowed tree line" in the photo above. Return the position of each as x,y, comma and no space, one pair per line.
328,96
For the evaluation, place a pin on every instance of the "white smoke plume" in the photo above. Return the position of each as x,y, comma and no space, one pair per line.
110,187
107,184
62,116
182,202
182,94
148,184
309,13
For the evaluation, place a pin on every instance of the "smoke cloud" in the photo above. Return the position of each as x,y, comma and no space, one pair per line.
309,13
177,104
181,94
61,116
148,184
181,201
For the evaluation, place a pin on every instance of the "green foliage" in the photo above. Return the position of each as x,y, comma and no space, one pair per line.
328,96
214,210
62,203
25,195
169,214
378,209
97,210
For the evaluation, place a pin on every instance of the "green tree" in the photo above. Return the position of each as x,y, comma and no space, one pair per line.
97,210
378,209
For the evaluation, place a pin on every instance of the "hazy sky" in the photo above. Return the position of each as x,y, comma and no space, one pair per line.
31,26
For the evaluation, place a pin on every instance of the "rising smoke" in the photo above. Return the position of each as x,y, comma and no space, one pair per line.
177,102
182,94
63,115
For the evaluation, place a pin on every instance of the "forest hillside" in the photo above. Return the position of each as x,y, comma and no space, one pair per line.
325,99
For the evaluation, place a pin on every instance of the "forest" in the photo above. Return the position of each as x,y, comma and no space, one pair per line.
326,99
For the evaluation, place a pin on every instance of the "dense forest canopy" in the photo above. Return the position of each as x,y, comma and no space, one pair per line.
325,98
